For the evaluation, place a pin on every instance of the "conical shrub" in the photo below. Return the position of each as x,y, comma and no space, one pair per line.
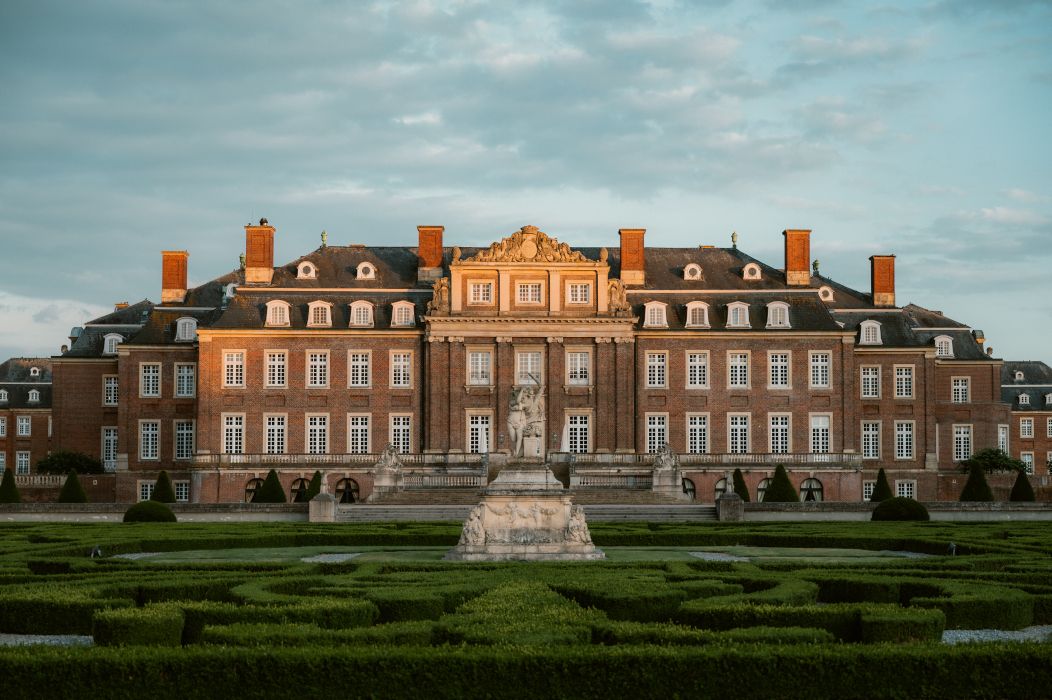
270,491
740,487
163,491
9,489
1021,490
314,487
781,489
976,489
72,491
881,489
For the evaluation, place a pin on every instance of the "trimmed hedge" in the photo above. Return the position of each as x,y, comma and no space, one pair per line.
9,489
154,625
900,508
881,489
271,491
152,511
740,487
780,490
163,490
72,491
976,488
1022,491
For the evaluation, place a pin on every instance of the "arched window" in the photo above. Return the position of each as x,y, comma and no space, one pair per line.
299,490
403,314
347,491
943,346
34,371
306,271
34,396
111,342
761,489
778,315
3,395
825,293
751,272
186,329
689,489
361,314
654,315
277,313
697,314
721,488
1018,376
251,487
869,333
738,315
811,490
366,271
692,272
318,314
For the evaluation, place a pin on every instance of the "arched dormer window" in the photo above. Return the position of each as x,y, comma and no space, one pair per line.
692,272
34,371
34,396
110,343
1018,376
306,271
751,272
697,314
186,329
277,313
654,315
1024,399
825,293
943,346
738,315
869,333
366,271
361,314
778,315
3,395
319,314
403,313
1048,399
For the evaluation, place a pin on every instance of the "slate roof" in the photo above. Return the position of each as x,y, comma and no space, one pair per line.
1036,384
805,311
249,310
125,322
17,380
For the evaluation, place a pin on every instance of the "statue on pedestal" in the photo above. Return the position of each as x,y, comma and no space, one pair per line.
389,460
525,416
666,459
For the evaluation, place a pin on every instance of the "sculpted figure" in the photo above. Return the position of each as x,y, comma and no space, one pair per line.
439,303
389,460
665,459
456,253
577,528
474,532
618,302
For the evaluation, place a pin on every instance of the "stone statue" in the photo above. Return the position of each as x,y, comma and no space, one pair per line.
603,255
456,253
666,459
439,304
389,460
528,244
474,532
525,416
577,528
618,298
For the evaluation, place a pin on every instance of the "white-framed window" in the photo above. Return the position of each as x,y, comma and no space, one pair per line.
1018,376
150,379
234,368
480,367
146,490
275,435
943,346
478,433
401,369
306,271
778,315
186,329
278,313
3,426
317,433
578,368
738,433
697,369
738,315
361,314
317,368
528,293
365,271
1024,399
657,370
109,448
233,433
184,440
22,462
319,314
697,314
820,364
528,368
34,371
358,433
869,333
110,343
3,461
903,381
1048,427
23,426
738,370
1026,427
3,395
906,488
403,313
868,487
903,439
401,431
480,293
657,431
358,372
578,433
870,384
962,442
277,368
778,426
751,272
820,434
185,380
692,272
654,315
870,439
697,433
1027,458
579,293
778,370
182,491
825,293
34,396
961,390
1002,437
149,439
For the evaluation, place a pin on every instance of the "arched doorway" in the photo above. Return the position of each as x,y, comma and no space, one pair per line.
688,488
347,491
721,488
761,488
299,490
811,490
251,487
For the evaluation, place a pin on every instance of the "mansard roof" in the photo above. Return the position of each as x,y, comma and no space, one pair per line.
249,310
806,312
17,380
1036,384
123,322
337,267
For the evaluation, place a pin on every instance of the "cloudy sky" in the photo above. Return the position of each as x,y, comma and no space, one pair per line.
132,126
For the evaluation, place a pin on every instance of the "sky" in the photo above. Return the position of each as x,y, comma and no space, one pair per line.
920,129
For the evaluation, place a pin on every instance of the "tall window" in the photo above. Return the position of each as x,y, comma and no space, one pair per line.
903,382
478,433
779,434
234,434
1048,427
234,368
111,343
529,293
905,488
403,315
738,367
1002,438
820,369
697,314
317,434
777,315
149,439
358,368
1027,458
358,434
185,380
697,370
943,346
577,432
657,432
1026,427
697,434
655,315
3,426
480,293
402,433
275,434
962,442
22,462
150,379
656,369
820,434
903,439
738,315
578,366
528,368
319,315
317,368
24,426
779,370
961,390
480,368
109,449
182,491
186,329
870,440
277,313
580,293
361,313
109,391
401,369
871,382
738,433
184,439
277,368
869,333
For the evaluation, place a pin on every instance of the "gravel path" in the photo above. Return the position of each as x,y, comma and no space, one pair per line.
1037,633
717,556
54,640
330,558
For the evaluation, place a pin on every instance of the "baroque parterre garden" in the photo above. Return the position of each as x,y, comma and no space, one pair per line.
778,610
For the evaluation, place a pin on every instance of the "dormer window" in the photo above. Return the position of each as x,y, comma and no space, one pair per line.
186,329
306,271
654,315
403,314
692,272
34,396
1024,399
1048,399
778,315
869,333
751,272
277,313
361,314
697,314
34,371
319,314
110,343
738,315
943,346
366,271
825,293
1018,376
3,395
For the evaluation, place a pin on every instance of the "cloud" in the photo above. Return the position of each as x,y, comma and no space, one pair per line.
1026,196
36,320
1015,217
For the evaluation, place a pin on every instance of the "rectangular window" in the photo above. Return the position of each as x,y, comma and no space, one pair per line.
318,434
867,490
528,368
275,434
23,426
779,430
277,368
145,490
738,433
580,293
820,362
870,382
149,439
904,382
529,293
21,463
3,426
185,380
317,368
3,460
478,433
656,369
657,432
150,379
697,434
234,434
820,434
779,370
402,433
578,432
109,449
962,390
1027,458
697,370
871,440
401,368
904,439
480,368
481,293
1048,427
184,439
358,434
182,491
738,370
358,373
1026,427
1002,438
962,442
109,391
906,488
578,368
234,368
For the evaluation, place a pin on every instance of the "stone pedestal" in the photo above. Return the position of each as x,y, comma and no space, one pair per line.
730,508
386,482
669,483
322,509
531,447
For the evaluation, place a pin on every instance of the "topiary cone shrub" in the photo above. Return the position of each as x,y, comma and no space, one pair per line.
976,489
149,512
900,508
163,491
270,491
881,489
1021,490
72,491
314,487
9,489
781,489
740,487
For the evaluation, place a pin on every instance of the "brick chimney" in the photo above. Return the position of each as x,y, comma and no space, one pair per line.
173,276
797,257
259,252
429,252
882,277
633,262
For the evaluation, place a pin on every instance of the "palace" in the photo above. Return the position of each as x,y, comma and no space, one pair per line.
460,358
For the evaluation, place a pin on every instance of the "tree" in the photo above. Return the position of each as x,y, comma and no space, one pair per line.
740,487
163,492
976,489
72,491
1022,490
781,489
271,490
149,512
881,489
992,460
900,508
9,489
64,461
314,487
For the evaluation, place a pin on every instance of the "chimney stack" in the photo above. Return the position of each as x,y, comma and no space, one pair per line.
173,276
259,252
120,305
797,257
633,262
429,252
882,276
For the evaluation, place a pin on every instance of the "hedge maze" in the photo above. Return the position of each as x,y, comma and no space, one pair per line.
650,627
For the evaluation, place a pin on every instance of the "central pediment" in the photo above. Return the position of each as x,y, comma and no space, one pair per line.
528,244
